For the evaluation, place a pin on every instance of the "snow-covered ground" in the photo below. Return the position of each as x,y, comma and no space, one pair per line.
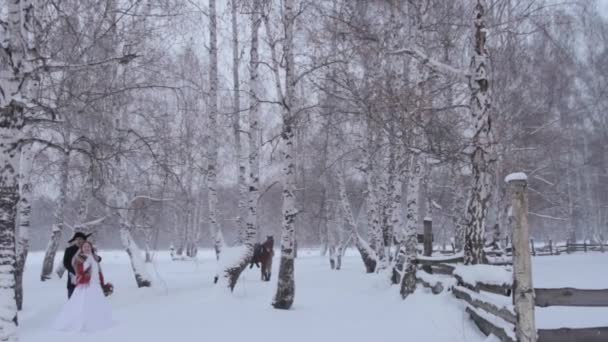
348,305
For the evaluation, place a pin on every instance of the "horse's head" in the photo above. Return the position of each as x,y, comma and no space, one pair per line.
269,243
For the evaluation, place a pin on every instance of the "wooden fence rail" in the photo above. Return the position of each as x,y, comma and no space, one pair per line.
573,335
476,300
571,297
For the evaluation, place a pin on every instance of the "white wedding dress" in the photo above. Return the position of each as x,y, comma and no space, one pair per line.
88,309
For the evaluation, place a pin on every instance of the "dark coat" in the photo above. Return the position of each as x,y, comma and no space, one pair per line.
68,255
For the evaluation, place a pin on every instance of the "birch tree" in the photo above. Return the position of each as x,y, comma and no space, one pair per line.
241,155
404,271
481,157
213,131
120,181
232,272
368,255
285,294
24,214
17,23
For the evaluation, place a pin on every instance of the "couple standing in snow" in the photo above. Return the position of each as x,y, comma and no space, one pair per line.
87,308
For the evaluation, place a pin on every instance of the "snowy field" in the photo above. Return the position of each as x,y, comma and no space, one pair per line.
348,305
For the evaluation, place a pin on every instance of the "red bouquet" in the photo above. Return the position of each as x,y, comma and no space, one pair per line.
107,288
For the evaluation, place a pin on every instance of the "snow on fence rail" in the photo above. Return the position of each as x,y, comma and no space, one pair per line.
489,278
487,289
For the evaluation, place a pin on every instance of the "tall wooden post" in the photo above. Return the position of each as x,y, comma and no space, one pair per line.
523,290
532,247
428,241
428,236
585,245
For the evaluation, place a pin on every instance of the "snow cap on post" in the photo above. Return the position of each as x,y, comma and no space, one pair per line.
516,177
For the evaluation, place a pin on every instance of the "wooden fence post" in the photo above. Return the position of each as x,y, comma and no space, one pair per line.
523,290
585,245
532,247
428,241
428,236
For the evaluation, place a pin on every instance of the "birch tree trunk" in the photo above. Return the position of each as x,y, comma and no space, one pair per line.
19,17
404,271
24,212
213,138
57,228
240,151
120,182
232,273
370,260
285,294
373,214
481,158
393,198
83,206
142,278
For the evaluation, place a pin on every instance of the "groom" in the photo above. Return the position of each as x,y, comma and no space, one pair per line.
75,243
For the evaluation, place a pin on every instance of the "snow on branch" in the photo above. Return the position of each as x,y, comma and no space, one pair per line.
433,63
153,199
548,216
92,223
125,59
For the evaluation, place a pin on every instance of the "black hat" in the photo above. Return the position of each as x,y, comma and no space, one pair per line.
79,235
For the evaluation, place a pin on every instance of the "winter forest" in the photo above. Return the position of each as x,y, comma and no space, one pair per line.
370,139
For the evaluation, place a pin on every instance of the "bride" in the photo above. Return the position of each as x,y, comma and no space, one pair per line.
88,309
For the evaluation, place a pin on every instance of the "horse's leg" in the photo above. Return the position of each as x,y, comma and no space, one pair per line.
270,265
266,270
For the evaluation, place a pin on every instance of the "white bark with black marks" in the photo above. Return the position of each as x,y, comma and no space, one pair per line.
142,278
213,130
15,31
481,158
24,214
285,294
404,271
232,272
368,255
240,151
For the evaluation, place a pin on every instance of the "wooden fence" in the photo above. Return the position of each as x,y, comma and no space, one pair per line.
490,306
502,303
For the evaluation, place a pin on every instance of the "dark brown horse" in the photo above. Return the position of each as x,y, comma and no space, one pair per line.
262,254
